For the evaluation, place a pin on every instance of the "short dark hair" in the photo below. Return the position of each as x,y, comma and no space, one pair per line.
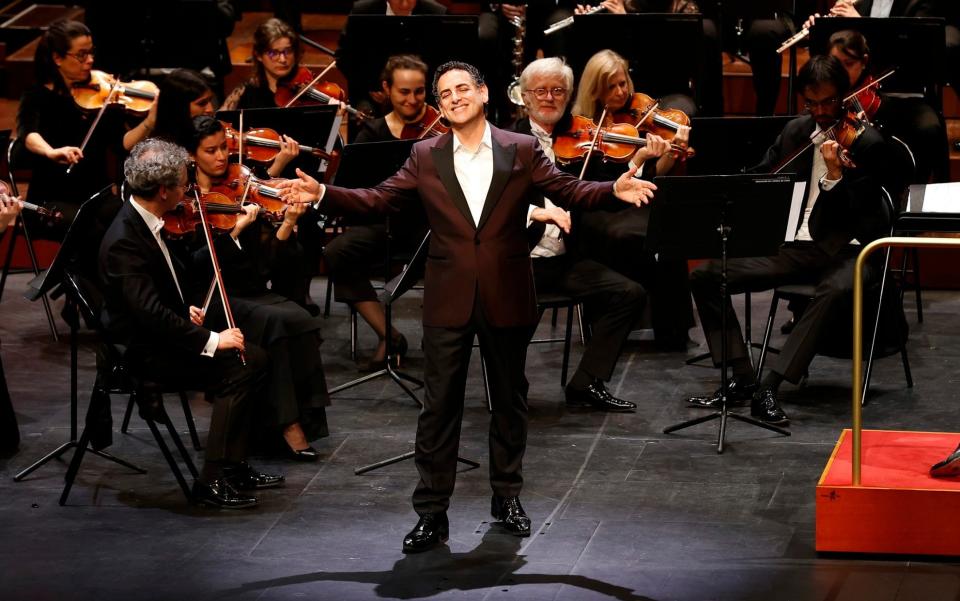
203,126
822,69
852,43
446,67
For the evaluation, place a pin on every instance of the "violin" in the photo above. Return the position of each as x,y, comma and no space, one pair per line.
240,185
646,115
617,142
865,100
221,211
428,125
262,144
136,97
322,92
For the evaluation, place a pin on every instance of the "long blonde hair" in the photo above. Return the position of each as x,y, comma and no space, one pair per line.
595,80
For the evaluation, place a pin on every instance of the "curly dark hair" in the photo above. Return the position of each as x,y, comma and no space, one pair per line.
446,67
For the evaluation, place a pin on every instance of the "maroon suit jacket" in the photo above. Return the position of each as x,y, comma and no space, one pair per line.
490,259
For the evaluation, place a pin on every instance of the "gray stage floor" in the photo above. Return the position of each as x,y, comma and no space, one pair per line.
620,510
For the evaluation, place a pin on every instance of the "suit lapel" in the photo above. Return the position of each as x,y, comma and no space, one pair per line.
502,167
443,159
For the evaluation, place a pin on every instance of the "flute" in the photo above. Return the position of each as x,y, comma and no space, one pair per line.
805,32
563,24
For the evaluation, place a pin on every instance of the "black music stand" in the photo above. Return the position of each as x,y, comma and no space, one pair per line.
721,216
85,227
632,35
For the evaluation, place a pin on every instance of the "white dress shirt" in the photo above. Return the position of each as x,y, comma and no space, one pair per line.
881,8
155,225
474,170
550,244
818,180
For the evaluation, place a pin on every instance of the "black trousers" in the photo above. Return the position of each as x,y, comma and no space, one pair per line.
803,263
762,39
233,385
447,356
9,432
613,303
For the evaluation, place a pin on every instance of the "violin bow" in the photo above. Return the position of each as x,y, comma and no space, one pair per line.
304,89
593,143
430,127
218,276
873,83
86,139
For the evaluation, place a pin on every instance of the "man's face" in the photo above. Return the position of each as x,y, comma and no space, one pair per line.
211,155
461,100
176,193
823,102
408,93
546,98
402,7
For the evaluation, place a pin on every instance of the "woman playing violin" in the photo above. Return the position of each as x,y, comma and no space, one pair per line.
254,254
404,83
52,126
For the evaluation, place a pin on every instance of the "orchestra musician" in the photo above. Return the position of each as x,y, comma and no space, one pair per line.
52,126
766,26
613,302
474,183
184,95
252,255
617,238
350,256
9,432
843,204
146,310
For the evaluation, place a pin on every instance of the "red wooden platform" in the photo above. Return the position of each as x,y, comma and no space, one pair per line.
899,508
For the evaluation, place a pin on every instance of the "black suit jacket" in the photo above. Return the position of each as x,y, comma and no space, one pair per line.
379,7
854,208
902,8
142,308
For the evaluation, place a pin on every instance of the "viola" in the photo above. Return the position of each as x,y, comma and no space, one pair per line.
262,144
646,115
136,97
240,185
322,92
221,211
427,125
617,142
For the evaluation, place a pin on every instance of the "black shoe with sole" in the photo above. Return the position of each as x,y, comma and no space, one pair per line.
221,494
431,530
243,477
949,467
765,408
511,514
740,389
597,396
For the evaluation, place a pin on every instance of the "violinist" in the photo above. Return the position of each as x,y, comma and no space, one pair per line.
147,310
276,58
52,126
910,119
617,238
613,301
404,83
184,95
843,209
254,254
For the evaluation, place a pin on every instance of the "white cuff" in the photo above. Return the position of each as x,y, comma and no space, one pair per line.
828,184
530,210
211,347
323,192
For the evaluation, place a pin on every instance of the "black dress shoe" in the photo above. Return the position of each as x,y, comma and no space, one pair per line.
511,513
765,408
243,477
740,389
307,454
596,395
949,467
431,530
221,494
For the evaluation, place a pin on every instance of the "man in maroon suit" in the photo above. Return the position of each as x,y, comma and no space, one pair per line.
475,185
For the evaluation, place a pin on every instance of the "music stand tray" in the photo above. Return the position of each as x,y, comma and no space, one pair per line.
722,216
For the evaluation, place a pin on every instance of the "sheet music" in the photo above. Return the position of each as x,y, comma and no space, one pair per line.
936,198
795,204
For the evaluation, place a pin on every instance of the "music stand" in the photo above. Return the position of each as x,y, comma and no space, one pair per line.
632,36
720,216
76,243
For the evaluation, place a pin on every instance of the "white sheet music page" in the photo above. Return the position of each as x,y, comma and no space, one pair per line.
939,198
795,204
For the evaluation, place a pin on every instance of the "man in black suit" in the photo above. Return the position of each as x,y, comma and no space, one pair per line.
146,312
843,203
400,8
613,301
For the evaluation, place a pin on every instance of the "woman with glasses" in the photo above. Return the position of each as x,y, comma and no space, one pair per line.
51,127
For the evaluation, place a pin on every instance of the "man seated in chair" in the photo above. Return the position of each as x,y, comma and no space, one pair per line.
843,208
146,311
613,301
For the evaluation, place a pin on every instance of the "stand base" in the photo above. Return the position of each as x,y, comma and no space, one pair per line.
394,374
899,508
723,415
408,455
73,444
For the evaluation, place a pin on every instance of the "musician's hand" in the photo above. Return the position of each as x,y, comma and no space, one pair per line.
249,216
303,189
656,147
9,209
293,213
196,315
617,7
844,9
554,215
682,137
512,11
637,192
831,156
66,155
231,339
810,21
289,150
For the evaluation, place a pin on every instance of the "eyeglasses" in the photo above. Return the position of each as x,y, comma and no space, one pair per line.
826,103
275,54
83,55
542,93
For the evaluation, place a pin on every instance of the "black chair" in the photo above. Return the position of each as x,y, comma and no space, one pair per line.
115,377
802,293
556,301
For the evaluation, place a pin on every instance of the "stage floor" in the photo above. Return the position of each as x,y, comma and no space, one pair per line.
619,509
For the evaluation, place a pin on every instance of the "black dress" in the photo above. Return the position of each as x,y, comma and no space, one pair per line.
249,95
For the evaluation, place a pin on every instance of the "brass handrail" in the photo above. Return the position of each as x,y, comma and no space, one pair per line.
892,242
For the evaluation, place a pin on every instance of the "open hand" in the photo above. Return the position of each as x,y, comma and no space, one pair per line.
304,189
637,192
